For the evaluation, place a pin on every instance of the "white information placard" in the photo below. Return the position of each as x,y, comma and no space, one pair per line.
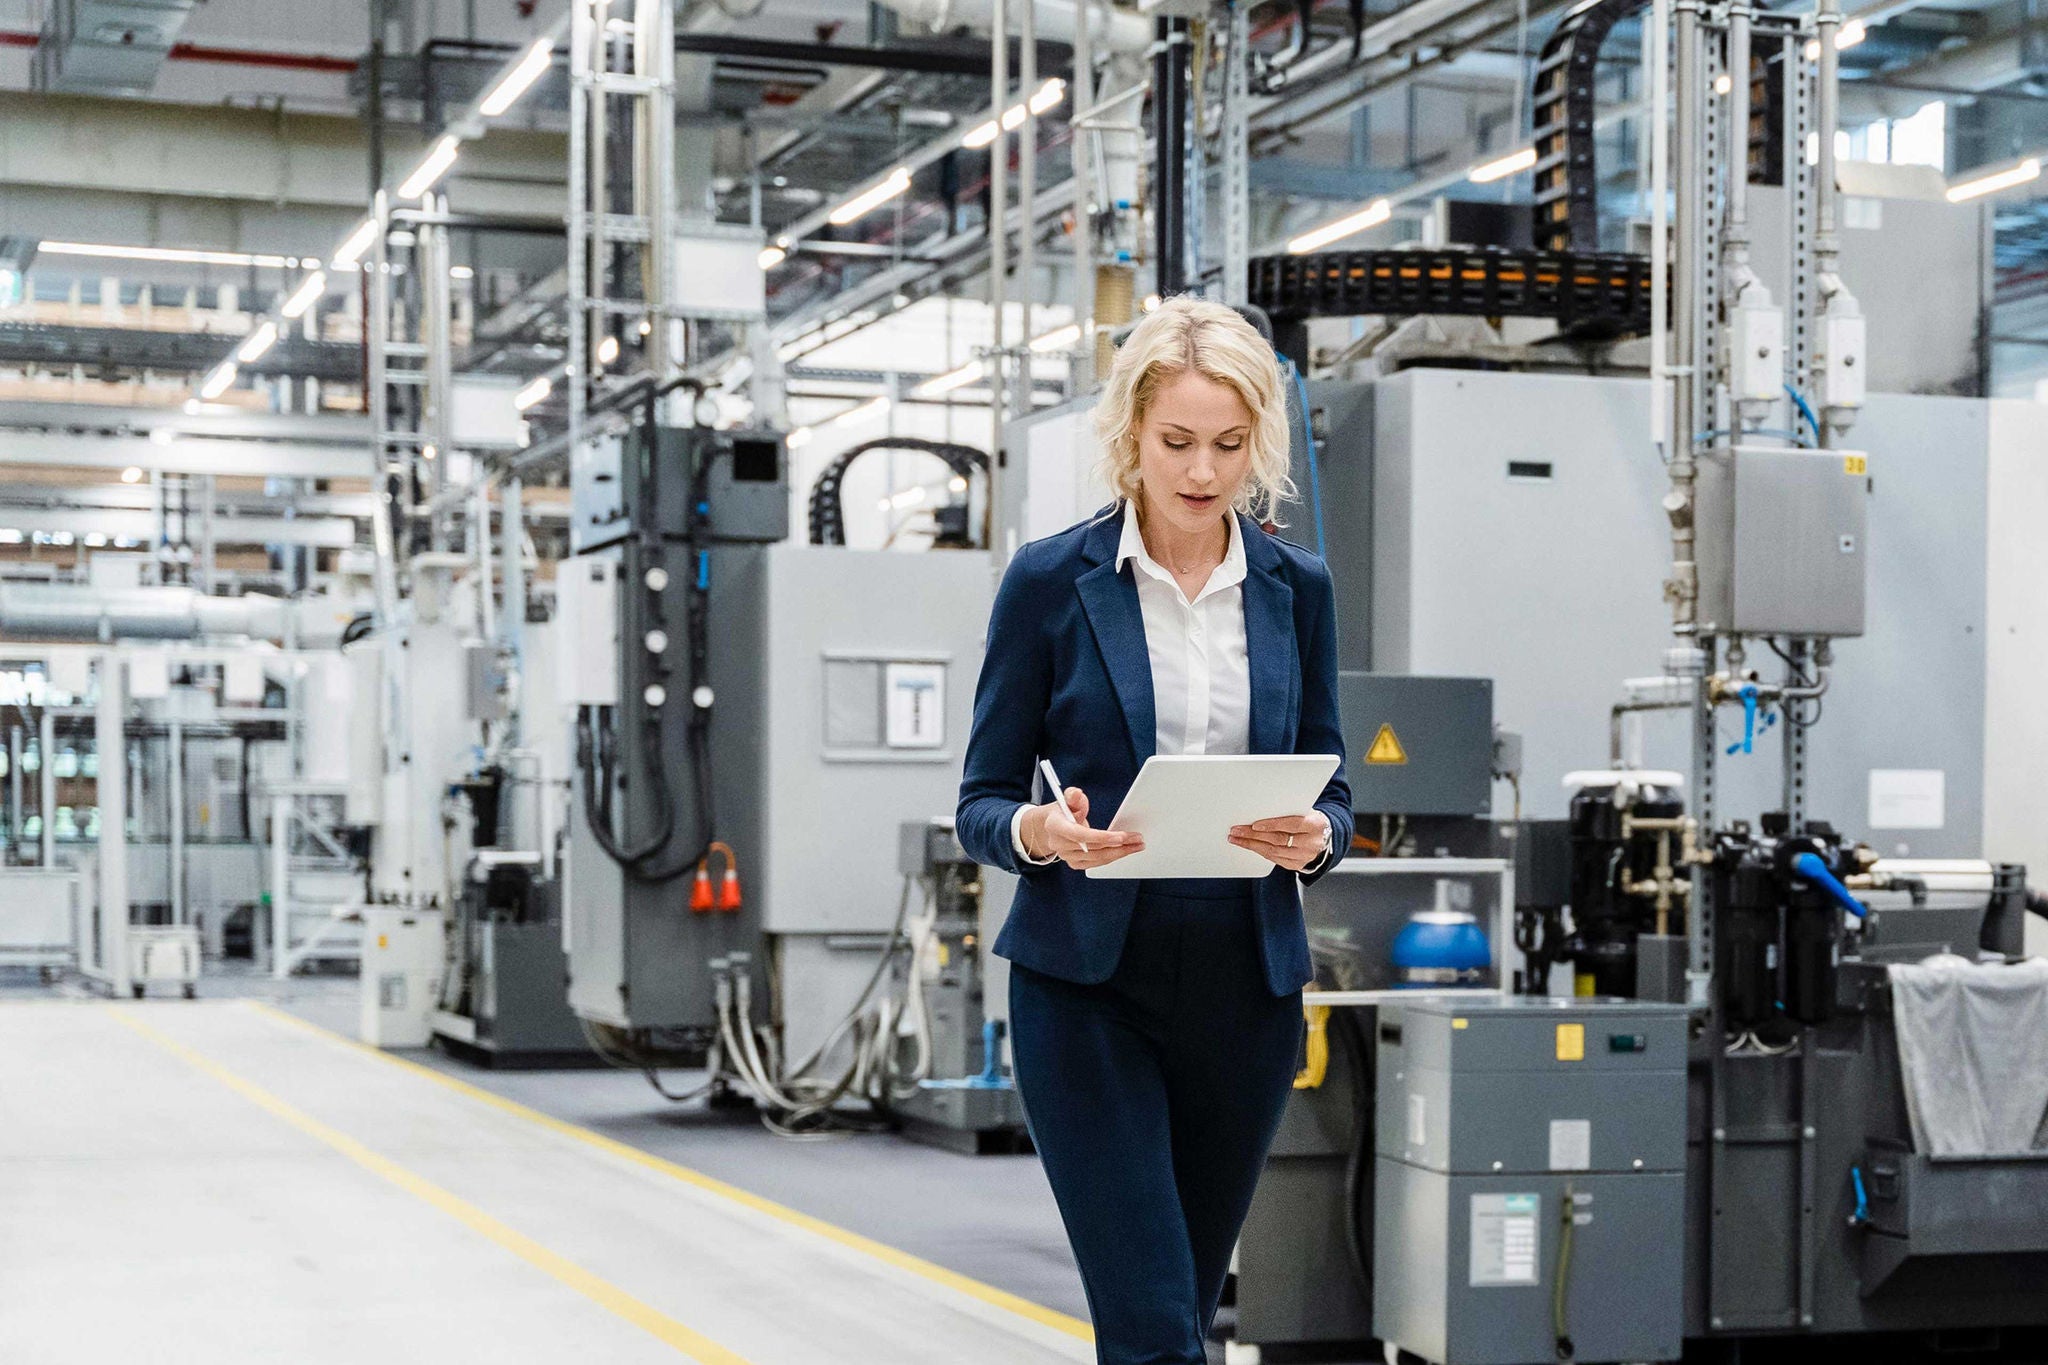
917,705
1908,798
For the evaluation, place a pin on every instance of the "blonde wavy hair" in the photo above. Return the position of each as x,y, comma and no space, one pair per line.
1215,341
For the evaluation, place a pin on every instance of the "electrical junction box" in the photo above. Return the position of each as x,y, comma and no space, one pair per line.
1525,1143
1417,746
1843,376
401,974
1781,543
587,606
1756,351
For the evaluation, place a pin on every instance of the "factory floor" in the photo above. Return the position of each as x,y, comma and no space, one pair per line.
236,1180
222,1181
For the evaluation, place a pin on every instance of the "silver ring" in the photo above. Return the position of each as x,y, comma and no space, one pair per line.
1290,841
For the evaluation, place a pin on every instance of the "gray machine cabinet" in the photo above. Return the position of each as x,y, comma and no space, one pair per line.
1782,545
1444,727
1496,1116
1624,1289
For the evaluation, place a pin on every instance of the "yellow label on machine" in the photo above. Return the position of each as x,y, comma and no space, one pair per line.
1386,747
1461,1023
1571,1042
1856,464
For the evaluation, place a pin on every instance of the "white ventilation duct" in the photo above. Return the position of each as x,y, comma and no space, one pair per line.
107,47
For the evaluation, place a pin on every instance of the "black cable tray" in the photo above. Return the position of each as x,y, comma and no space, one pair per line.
1586,292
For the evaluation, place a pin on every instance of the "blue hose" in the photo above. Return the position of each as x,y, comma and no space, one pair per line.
1315,473
1862,1214
1804,410
1810,867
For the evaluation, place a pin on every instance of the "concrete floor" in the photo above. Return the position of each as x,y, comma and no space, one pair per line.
220,1182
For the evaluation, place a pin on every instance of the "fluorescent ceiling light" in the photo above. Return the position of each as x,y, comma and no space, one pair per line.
432,169
1846,37
2027,170
305,295
179,255
868,200
358,242
461,272
1506,166
132,474
95,539
260,341
540,388
1375,213
519,79
798,439
217,383
1057,339
951,380
874,407
1048,97
771,257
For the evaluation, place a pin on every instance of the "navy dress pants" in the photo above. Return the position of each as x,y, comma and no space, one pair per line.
1152,1098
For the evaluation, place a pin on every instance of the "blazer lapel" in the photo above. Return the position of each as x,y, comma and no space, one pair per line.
1268,638
1111,601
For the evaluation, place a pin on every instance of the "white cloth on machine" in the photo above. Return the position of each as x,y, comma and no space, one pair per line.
1973,1055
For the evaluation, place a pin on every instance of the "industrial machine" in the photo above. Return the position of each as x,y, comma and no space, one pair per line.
754,720
1680,1120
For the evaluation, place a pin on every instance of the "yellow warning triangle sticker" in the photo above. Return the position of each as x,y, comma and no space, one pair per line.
1386,747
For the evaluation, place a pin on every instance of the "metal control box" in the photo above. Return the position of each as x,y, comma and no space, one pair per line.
1418,746
1525,1144
1782,541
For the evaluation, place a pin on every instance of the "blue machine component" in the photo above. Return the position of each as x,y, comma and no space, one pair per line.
1810,867
1862,1214
1441,948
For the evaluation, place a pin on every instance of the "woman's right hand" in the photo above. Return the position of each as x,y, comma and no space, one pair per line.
1047,832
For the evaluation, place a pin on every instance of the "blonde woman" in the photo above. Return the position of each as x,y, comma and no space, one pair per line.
1156,1023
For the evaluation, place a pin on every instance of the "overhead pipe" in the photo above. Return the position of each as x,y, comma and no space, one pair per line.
64,611
1109,29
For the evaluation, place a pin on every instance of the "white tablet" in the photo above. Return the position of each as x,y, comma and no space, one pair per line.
1185,804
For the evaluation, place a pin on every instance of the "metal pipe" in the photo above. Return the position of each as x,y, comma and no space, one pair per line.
1737,232
377,299
999,240
1027,196
1110,29
1081,97
1689,257
66,611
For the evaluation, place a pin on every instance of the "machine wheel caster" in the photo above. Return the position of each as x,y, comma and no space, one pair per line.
138,991
191,992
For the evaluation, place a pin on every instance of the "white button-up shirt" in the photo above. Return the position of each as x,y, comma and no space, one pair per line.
1201,671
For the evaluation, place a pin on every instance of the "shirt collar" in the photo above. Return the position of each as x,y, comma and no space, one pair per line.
1132,546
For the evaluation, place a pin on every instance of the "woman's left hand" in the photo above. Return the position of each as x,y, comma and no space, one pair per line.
1292,841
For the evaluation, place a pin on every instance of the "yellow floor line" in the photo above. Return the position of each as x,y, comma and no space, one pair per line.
602,1292
902,1260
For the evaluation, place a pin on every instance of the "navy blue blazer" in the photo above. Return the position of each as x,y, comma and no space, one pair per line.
1067,676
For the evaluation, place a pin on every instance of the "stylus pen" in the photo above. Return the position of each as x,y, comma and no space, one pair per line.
1059,792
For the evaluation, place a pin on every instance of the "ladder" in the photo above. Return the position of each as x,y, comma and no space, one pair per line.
621,203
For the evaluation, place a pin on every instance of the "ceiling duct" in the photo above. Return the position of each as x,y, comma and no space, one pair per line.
107,47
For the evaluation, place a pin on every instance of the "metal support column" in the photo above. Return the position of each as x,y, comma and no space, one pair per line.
1237,176
46,785
1170,157
112,746
1080,99
998,242
176,799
